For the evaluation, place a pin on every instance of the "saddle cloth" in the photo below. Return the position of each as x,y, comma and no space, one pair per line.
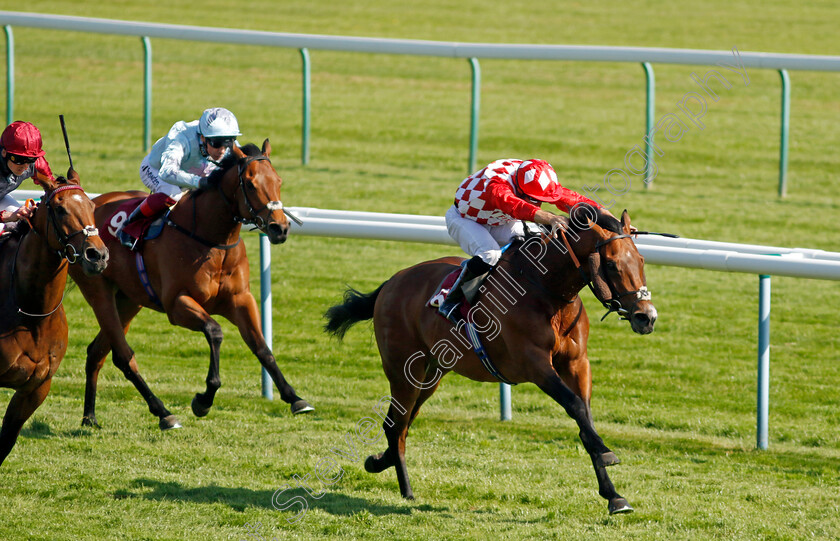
442,291
142,228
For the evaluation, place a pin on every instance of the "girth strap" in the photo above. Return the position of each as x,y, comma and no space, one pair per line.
144,278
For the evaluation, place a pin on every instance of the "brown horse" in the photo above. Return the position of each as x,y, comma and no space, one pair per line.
33,273
195,268
533,323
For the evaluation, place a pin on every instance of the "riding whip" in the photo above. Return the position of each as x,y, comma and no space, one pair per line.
66,142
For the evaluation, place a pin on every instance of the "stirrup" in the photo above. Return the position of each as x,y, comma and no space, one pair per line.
127,240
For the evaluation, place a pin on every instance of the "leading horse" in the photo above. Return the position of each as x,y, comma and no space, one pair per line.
195,268
33,273
534,325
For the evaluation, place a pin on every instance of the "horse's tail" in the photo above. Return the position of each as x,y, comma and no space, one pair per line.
356,307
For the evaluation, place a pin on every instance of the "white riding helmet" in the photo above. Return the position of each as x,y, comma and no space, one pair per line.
218,122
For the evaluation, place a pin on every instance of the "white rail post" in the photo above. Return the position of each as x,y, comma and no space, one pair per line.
265,308
763,406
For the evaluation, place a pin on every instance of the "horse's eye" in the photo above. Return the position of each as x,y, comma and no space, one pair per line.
61,211
612,265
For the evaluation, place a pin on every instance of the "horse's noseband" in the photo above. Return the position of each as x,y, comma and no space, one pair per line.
67,251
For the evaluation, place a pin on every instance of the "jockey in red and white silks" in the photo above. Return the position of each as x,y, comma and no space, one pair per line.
488,209
489,205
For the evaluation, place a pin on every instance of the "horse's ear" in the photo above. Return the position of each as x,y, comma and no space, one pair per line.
73,176
46,183
266,148
238,152
625,222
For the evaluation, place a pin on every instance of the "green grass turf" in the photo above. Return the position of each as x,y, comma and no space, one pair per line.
390,133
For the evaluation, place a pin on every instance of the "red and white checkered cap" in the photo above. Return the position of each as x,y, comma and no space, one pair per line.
537,180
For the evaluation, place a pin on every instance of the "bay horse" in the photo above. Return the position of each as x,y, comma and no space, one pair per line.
196,267
534,325
33,274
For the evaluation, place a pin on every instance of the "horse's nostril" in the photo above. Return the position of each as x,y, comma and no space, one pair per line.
92,254
277,230
642,318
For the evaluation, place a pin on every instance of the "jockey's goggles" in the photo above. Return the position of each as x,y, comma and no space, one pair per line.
21,160
219,142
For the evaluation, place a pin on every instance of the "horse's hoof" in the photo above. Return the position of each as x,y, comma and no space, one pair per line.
169,422
608,459
371,465
301,406
619,505
90,421
409,496
198,409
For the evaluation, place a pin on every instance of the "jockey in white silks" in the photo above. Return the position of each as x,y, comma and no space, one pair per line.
184,157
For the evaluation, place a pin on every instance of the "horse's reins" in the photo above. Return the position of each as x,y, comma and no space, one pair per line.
69,251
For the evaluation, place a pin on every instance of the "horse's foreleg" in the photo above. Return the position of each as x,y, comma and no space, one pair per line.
186,312
97,352
577,408
21,407
202,402
246,318
577,376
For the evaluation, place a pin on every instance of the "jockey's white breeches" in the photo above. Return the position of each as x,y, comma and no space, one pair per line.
8,203
478,239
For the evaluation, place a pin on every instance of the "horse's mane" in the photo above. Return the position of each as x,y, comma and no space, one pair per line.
583,212
579,221
229,161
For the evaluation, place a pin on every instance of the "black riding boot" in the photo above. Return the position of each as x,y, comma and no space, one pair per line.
123,237
473,268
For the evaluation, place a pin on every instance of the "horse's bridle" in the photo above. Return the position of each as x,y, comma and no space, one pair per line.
612,304
256,220
67,250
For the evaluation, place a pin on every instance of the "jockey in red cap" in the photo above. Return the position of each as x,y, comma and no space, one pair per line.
489,206
22,158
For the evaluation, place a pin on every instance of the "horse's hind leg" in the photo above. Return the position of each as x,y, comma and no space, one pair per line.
406,401
114,313
97,352
245,317
404,396
21,407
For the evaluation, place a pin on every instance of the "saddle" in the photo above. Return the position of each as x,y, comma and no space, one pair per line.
470,289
